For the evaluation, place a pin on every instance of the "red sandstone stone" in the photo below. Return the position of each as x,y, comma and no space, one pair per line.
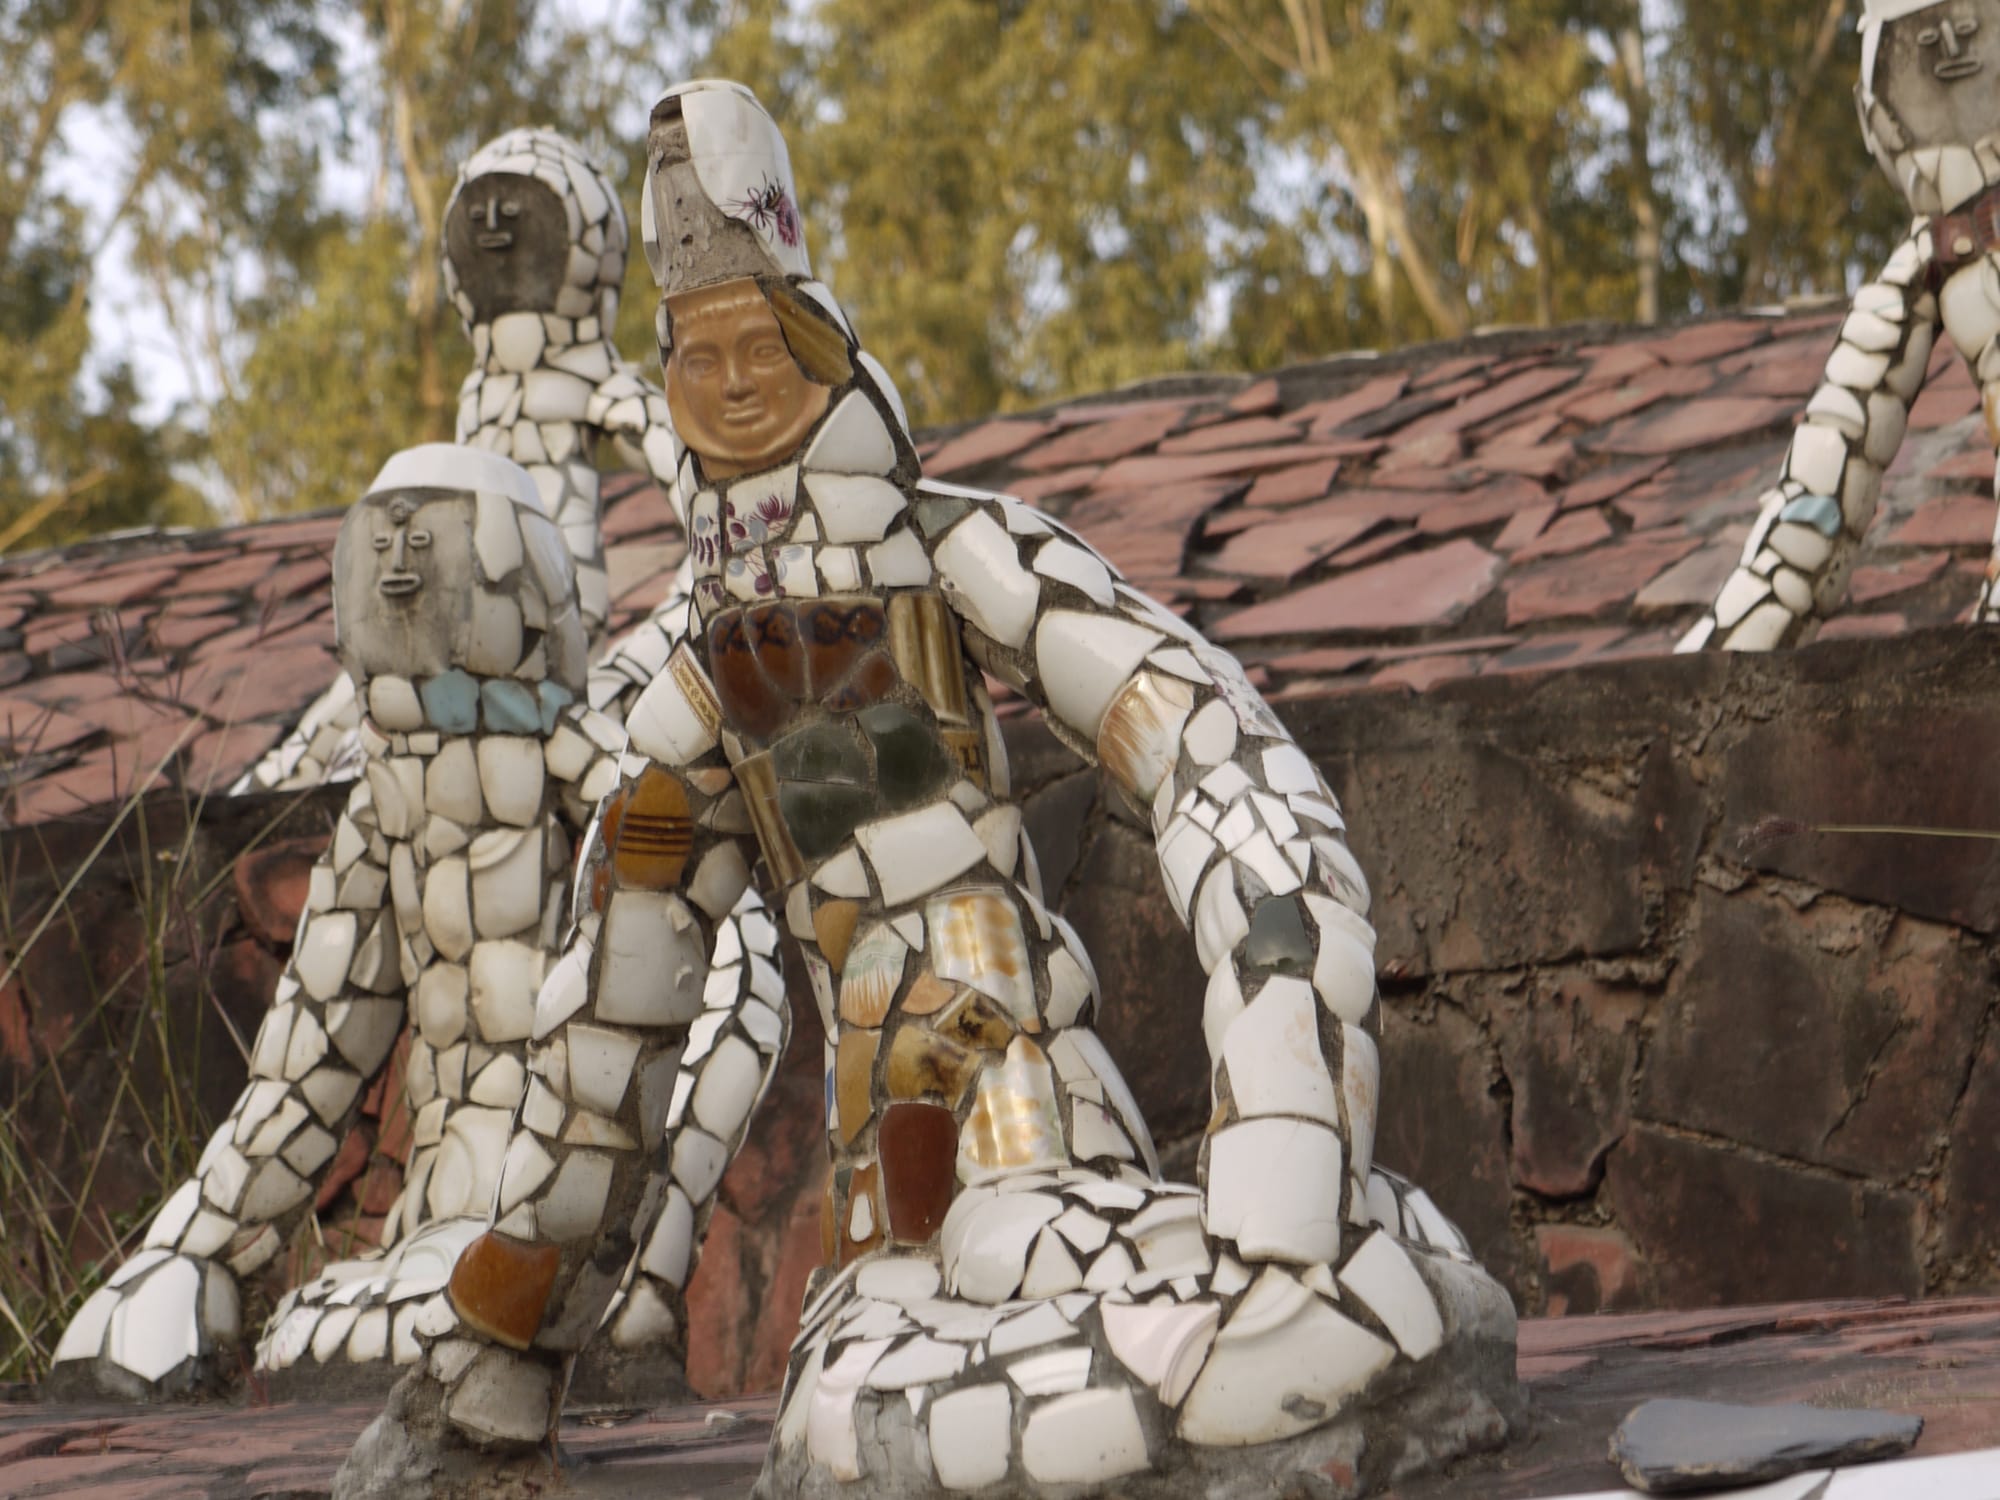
1609,483
1588,585
1694,580
1242,434
1589,1270
1102,442
1869,584
1947,521
1494,401
1364,400
1704,343
1547,461
984,444
271,886
1431,587
1696,424
27,728
233,576
1572,533
1255,400
1946,398
1421,674
1499,500
1282,549
1445,372
1034,490
1525,526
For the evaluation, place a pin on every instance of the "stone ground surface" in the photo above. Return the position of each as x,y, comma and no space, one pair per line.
1938,1359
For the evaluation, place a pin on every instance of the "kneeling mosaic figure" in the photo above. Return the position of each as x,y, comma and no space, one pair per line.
444,893
1012,1296
1927,99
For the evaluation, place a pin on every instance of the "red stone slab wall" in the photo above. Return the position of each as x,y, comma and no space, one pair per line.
1644,1062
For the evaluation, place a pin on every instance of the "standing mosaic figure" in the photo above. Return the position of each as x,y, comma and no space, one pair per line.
1929,114
443,895
1011,1294
534,256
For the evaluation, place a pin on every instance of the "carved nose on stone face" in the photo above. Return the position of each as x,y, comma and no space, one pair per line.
1950,38
492,236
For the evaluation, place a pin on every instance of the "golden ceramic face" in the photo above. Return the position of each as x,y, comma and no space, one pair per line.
737,396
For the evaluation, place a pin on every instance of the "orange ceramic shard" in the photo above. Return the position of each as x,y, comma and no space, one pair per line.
922,1062
649,828
833,929
919,1149
928,994
853,1067
501,1286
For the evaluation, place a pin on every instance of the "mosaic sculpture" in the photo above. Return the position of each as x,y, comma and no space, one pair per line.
443,897
533,258
1011,1295
1928,111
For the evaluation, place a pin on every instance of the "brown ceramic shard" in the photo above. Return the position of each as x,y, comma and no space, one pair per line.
853,1067
760,802
923,638
501,1286
833,929
976,1021
918,1144
1140,738
922,1062
926,995
649,829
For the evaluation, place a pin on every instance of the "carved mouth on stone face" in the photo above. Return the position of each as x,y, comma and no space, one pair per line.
1957,68
400,585
500,239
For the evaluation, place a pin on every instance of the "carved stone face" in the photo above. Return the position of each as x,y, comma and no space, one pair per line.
738,397
508,239
403,582
1938,69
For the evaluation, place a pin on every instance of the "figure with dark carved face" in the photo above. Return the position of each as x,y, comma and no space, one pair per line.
534,257
444,895
1011,1296
1929,98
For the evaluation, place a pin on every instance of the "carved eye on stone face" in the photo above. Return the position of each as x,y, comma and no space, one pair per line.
382,540
420,538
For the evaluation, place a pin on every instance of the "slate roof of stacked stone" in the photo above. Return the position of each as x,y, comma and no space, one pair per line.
1513,502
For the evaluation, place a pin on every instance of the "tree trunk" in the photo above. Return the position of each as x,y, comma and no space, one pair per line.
1636,91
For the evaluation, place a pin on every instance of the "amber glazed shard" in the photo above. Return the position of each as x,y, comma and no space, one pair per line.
500,1287
650,830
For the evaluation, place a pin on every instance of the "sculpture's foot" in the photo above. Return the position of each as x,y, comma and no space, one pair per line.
470,1421
1171,1369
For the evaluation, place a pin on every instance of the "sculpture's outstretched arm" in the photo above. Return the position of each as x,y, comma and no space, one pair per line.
1250,844
1796,561
335,1017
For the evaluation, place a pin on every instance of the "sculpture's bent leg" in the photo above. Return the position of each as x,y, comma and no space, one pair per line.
655,1036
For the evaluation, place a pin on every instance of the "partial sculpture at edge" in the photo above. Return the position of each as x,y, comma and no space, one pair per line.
1011,1294
1929,97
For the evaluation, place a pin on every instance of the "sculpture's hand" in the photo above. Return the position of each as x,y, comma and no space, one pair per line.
165,1324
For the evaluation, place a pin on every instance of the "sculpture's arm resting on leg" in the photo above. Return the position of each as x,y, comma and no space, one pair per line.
1251,846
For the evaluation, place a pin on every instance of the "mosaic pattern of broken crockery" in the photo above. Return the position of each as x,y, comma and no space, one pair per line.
1003,1265
1928,113
533,260
1128,1333
440,902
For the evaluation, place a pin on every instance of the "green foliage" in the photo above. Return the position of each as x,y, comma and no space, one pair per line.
1018,199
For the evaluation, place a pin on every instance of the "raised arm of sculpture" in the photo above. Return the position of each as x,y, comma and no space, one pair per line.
1927,102
1011,1295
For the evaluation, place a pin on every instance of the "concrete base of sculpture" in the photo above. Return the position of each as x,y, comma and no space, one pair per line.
1463,1399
